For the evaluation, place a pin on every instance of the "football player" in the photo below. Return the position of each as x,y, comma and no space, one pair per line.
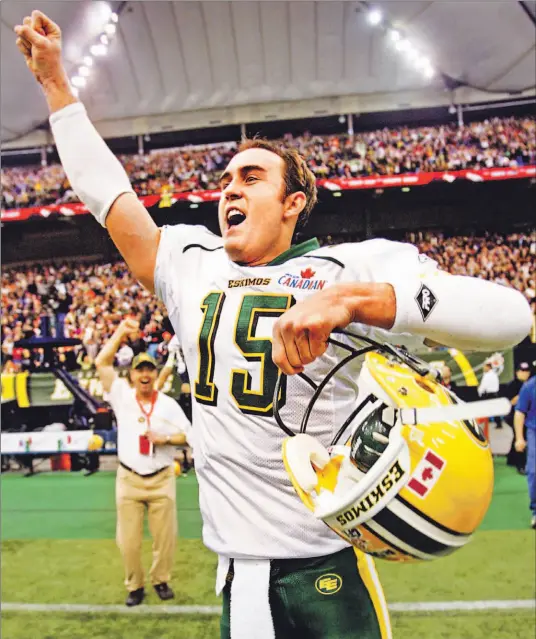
247,306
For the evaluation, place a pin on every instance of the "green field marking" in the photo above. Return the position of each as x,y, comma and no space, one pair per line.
417,607
509,508
71,506
58,547
489,625
495,565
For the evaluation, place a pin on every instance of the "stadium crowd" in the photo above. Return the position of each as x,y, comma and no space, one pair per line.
84,301
87,300
498,142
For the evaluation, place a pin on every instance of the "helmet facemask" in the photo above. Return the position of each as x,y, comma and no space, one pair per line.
359,485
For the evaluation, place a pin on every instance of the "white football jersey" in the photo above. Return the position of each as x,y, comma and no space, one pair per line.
223,314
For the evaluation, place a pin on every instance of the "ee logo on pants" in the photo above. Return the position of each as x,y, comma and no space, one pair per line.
328,584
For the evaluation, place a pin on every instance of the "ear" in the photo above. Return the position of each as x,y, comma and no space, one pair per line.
294,205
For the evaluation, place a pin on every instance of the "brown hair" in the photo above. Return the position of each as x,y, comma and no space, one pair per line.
298,176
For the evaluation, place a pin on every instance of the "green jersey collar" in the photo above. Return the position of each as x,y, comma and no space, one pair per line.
295,251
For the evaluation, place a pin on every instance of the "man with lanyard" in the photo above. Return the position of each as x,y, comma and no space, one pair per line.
149,426
231,300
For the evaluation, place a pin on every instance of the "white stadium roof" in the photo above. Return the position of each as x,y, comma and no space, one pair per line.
179,65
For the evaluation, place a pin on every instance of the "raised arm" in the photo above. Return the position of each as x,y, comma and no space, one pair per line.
95,174
104,362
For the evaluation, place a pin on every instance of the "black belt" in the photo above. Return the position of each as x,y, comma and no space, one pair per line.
156,472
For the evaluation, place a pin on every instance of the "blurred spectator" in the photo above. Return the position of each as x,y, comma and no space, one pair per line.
489,384
90,300
519,460
489,387
525,418
124,355
446,379
506,259
162,350
498,142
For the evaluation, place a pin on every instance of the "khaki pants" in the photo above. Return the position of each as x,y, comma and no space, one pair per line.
157,494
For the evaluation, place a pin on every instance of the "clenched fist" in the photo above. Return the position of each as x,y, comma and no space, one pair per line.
39,41
300,335
129,326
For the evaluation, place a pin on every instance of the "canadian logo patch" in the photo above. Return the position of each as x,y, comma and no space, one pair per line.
426,473
304,280
426,301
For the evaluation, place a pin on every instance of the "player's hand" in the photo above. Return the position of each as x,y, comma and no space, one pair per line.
520,445
155,439
300,334
129,326
39,41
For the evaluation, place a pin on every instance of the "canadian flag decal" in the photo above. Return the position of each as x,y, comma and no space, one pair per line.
426,473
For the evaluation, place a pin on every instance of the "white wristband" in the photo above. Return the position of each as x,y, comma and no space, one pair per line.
461,312
95,174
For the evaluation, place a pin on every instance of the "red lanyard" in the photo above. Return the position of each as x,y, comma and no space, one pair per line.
147,414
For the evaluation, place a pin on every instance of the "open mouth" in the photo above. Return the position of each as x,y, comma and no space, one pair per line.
235,217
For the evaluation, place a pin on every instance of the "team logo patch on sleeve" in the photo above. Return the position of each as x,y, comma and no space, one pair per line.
328,584
426,301
426,473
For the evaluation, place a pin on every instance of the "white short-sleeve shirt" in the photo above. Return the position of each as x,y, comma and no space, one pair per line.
167,418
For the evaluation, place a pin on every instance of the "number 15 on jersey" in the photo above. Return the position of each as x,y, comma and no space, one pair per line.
257,350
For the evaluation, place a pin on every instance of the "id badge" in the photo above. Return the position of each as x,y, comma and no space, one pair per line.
146,447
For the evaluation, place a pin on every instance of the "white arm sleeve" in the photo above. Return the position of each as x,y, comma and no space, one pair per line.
95,174
461,312
457,311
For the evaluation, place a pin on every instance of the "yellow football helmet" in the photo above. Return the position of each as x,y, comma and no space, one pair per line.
414,478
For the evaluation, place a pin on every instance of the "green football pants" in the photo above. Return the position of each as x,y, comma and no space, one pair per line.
337,596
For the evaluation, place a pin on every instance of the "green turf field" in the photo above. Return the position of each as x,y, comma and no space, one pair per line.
58,547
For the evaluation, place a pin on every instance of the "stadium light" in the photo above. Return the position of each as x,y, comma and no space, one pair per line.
422,63
104,39
106,10
394,35
114,17
84,71
78,81
98,50
412,53
429,72
374,17
110,29
403,45
88,61
76,92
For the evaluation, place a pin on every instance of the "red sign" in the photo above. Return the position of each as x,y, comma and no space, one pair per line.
330,184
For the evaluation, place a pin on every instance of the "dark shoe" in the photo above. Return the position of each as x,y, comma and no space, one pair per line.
533,522
164,591
91,471
521,471
135,597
